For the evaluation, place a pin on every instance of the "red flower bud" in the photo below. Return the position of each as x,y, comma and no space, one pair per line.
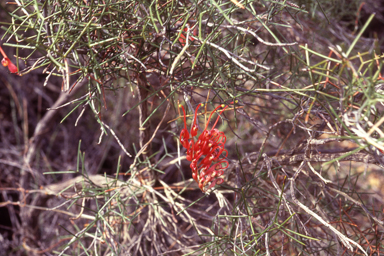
6,62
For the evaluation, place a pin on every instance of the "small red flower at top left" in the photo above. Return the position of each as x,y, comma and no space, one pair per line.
6,62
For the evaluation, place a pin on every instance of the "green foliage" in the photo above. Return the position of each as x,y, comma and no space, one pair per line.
307,99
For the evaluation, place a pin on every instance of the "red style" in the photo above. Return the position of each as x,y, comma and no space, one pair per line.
6,62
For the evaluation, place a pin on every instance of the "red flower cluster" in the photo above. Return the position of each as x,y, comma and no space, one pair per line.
183,39
205,154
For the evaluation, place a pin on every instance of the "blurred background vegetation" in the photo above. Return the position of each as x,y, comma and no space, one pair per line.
90,155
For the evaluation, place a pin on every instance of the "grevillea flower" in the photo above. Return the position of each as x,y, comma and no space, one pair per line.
206,153
183,39
6,62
